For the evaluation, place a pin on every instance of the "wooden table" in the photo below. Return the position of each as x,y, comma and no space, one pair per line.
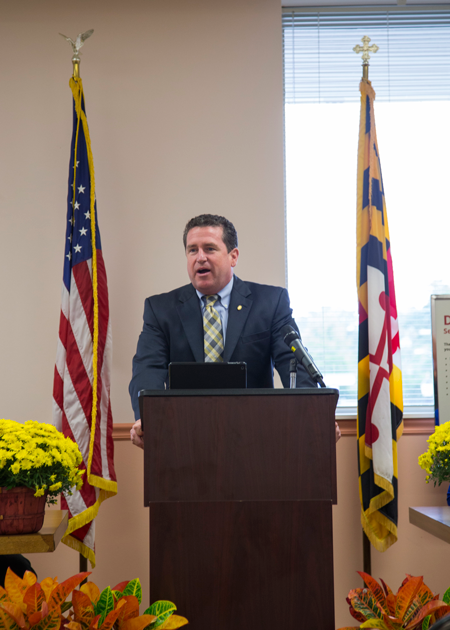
46,539
434,520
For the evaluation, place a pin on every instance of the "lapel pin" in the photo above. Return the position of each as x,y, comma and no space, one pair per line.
239,308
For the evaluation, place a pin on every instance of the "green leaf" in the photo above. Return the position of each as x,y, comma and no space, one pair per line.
368,609
134,588
104,605
162,610
446,597
117,594
375,588
65,606
426,622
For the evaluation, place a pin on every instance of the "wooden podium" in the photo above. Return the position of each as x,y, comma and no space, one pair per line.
240,485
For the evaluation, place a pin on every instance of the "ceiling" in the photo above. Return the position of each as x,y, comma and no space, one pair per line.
372,3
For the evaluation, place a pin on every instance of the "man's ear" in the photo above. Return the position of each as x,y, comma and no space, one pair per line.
234,256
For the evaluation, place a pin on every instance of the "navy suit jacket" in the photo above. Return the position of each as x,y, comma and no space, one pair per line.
173,331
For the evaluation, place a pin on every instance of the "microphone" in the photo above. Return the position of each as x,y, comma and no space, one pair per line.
292,339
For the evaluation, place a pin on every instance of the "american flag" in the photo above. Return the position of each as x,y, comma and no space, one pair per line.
380,399
81,390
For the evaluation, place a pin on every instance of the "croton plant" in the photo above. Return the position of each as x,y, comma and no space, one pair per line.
29,605
413,607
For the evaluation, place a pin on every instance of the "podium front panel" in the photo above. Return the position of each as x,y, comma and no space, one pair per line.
242,445
240,485
244,565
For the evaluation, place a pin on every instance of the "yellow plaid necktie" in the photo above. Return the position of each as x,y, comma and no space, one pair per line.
212,330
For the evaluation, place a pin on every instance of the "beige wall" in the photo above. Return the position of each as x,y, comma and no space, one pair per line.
416,552
184,103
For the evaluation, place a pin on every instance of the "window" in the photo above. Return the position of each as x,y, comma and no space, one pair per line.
411,77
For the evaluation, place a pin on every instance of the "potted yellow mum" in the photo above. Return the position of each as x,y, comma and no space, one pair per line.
436,461
37,463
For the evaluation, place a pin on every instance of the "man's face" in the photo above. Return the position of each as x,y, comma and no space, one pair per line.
209,265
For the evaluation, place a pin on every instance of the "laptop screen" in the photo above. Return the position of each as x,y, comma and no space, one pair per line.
207,375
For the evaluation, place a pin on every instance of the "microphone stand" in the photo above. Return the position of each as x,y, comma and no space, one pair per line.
293,374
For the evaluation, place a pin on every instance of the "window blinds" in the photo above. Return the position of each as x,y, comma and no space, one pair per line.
413,61
412,64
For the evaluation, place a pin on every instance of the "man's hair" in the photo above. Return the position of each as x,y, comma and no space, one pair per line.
229,235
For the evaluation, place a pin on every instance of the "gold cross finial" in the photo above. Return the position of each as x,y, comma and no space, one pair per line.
365,49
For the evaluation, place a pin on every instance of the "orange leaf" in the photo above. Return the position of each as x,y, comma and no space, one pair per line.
82,607
52,621
406,595
91,590
388,620
14,611
48,585
73,625
63,590
94,623
15,587
375,588
407,578
424,595
349,628
34,598
138,623
442,612
38,615
391,601
355,592
428,609
387,590
110,619
128,610
6,621
34,618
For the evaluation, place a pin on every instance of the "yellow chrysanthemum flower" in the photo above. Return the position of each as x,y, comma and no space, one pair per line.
39,456
436,461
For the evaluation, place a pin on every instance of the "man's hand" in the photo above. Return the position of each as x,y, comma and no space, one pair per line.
137,434
337,429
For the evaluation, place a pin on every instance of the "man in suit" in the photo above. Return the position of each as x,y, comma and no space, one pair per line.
249,317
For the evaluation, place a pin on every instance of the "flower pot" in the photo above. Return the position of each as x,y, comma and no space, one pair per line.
20,511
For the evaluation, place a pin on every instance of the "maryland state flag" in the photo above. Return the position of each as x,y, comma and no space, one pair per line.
380,400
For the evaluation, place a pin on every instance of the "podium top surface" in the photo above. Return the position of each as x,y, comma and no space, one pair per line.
303,391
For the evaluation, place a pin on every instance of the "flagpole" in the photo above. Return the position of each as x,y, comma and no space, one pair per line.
83,563
365,49
76,75
76,66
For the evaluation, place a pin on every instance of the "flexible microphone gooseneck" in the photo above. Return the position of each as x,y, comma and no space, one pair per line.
292,339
